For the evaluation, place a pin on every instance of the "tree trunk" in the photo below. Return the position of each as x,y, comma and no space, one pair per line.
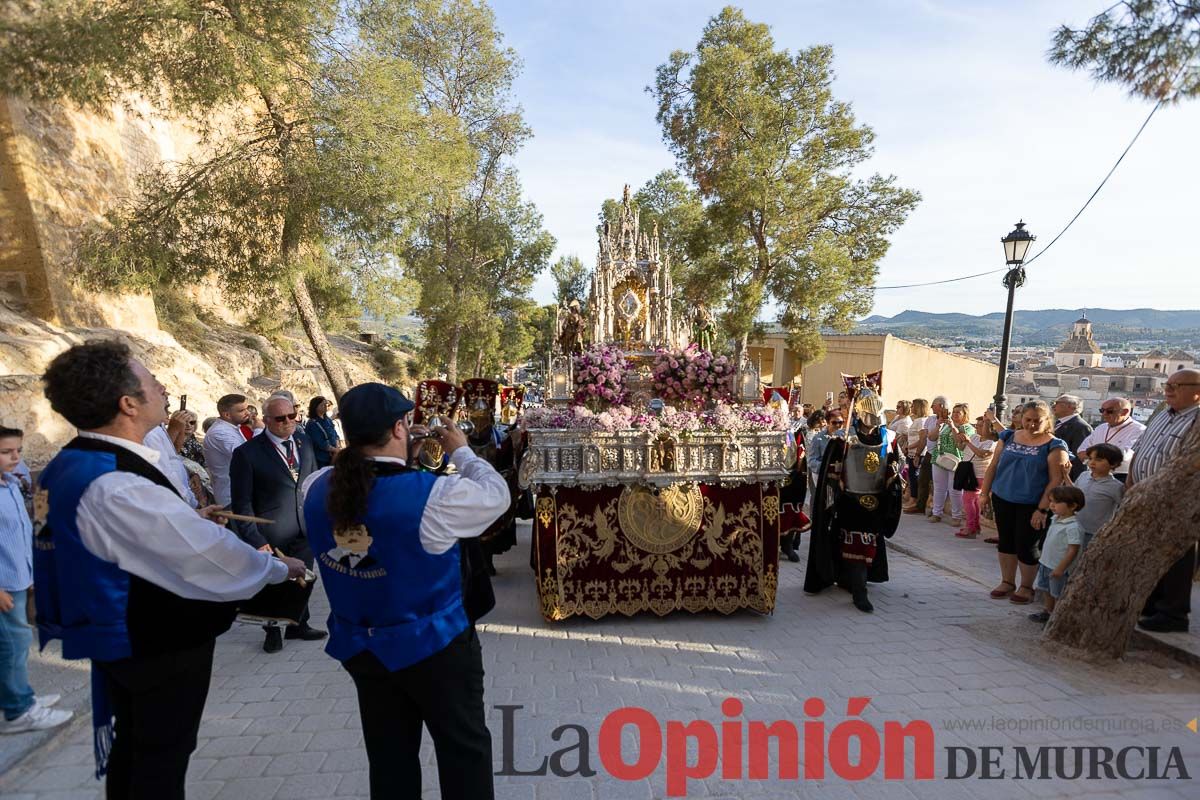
479,363
452,354
316,336
1153,528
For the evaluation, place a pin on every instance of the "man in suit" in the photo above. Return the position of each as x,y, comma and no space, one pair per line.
265,475
1071,428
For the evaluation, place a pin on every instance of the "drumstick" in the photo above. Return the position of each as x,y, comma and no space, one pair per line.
279,554
245,518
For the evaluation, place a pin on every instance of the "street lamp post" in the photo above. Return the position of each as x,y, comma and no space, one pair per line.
1016,246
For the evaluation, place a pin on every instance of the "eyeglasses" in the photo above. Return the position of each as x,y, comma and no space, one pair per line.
1110,411
1170,385
284,417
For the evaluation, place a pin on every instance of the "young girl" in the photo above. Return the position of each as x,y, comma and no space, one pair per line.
1063,542
978,449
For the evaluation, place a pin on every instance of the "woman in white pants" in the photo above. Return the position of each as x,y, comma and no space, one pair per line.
943,478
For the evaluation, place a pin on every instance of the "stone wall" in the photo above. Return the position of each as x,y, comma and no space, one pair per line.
60,171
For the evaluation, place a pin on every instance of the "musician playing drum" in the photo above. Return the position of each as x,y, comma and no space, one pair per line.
387,543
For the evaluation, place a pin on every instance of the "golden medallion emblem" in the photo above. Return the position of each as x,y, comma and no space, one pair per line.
871,462
660,522
869,501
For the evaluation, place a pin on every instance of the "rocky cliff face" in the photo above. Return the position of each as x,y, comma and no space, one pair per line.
225,360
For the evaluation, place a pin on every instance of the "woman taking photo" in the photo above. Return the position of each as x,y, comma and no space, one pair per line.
945,455
321,432
1027,464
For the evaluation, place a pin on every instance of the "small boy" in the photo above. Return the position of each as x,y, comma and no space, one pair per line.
1063,542
22,710
1102,491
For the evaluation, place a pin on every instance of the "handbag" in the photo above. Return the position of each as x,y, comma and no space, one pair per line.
948,461
964,477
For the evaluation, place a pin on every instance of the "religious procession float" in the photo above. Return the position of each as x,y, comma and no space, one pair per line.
655,467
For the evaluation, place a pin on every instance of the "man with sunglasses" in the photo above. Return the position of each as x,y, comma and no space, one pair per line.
265,477
1118,429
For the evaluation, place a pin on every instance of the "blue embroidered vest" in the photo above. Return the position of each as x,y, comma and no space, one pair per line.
395,600
97,609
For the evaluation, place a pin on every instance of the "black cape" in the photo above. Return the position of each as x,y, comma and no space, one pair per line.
824,551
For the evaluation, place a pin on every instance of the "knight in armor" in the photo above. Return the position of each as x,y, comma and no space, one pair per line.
494,445
856,505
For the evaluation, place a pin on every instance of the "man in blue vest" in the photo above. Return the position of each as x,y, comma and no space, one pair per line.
128,575
386,538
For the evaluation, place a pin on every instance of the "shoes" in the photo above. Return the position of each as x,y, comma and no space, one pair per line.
1000,592
965,534
274,641
787,544
47,700
992,540
1040,616
1161,623
935,518
1022,600
956,522
863,604
305,633
37,718
913,510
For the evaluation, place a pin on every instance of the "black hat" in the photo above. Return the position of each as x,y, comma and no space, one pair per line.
370,409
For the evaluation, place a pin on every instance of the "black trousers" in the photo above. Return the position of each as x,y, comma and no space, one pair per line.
445,693
1172,596
158,702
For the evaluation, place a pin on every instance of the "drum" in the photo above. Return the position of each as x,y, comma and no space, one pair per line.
279,602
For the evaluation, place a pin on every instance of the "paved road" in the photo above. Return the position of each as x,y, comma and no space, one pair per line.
286,725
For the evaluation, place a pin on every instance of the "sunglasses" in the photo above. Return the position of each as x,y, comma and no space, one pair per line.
836,421
1110,411
284,417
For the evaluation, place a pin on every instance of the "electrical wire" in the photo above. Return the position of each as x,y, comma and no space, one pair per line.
1078,213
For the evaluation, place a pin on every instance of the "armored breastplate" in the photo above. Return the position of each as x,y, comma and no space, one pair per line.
485,449
864,471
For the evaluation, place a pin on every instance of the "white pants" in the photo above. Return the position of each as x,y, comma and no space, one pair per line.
943,484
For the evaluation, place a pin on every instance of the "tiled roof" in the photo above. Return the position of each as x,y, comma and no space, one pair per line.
1078,344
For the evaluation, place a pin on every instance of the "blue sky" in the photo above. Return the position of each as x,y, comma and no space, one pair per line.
966,110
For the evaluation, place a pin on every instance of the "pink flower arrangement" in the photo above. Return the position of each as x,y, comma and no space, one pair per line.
693,376
600,376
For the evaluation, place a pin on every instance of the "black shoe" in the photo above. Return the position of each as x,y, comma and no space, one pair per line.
274,641
305,633
1161,623
788,545
862,603
1040,616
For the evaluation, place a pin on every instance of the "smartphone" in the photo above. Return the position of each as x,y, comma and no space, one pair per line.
829,397
183,402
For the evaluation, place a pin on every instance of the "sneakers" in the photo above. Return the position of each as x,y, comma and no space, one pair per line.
47,700
935,518
37,718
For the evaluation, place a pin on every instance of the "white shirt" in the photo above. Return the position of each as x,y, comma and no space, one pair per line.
460,506
219,443
901,426
170,462
146,530
1123,436
281,451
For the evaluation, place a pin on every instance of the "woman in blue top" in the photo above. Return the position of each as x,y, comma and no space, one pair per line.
321,432
1027,464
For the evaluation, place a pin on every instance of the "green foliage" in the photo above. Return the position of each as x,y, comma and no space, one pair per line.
570,279
1143,45
317,139
389,365
774,157
477,246
177,315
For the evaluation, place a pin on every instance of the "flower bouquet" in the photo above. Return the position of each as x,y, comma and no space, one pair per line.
693,377
600,374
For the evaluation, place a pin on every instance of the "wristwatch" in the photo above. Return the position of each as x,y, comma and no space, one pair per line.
1043,511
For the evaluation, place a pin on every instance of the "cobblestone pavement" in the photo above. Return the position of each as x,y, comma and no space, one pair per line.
937,649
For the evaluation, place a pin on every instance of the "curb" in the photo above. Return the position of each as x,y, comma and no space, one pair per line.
1142,639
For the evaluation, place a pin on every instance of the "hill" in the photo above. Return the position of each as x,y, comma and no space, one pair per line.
1113,327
